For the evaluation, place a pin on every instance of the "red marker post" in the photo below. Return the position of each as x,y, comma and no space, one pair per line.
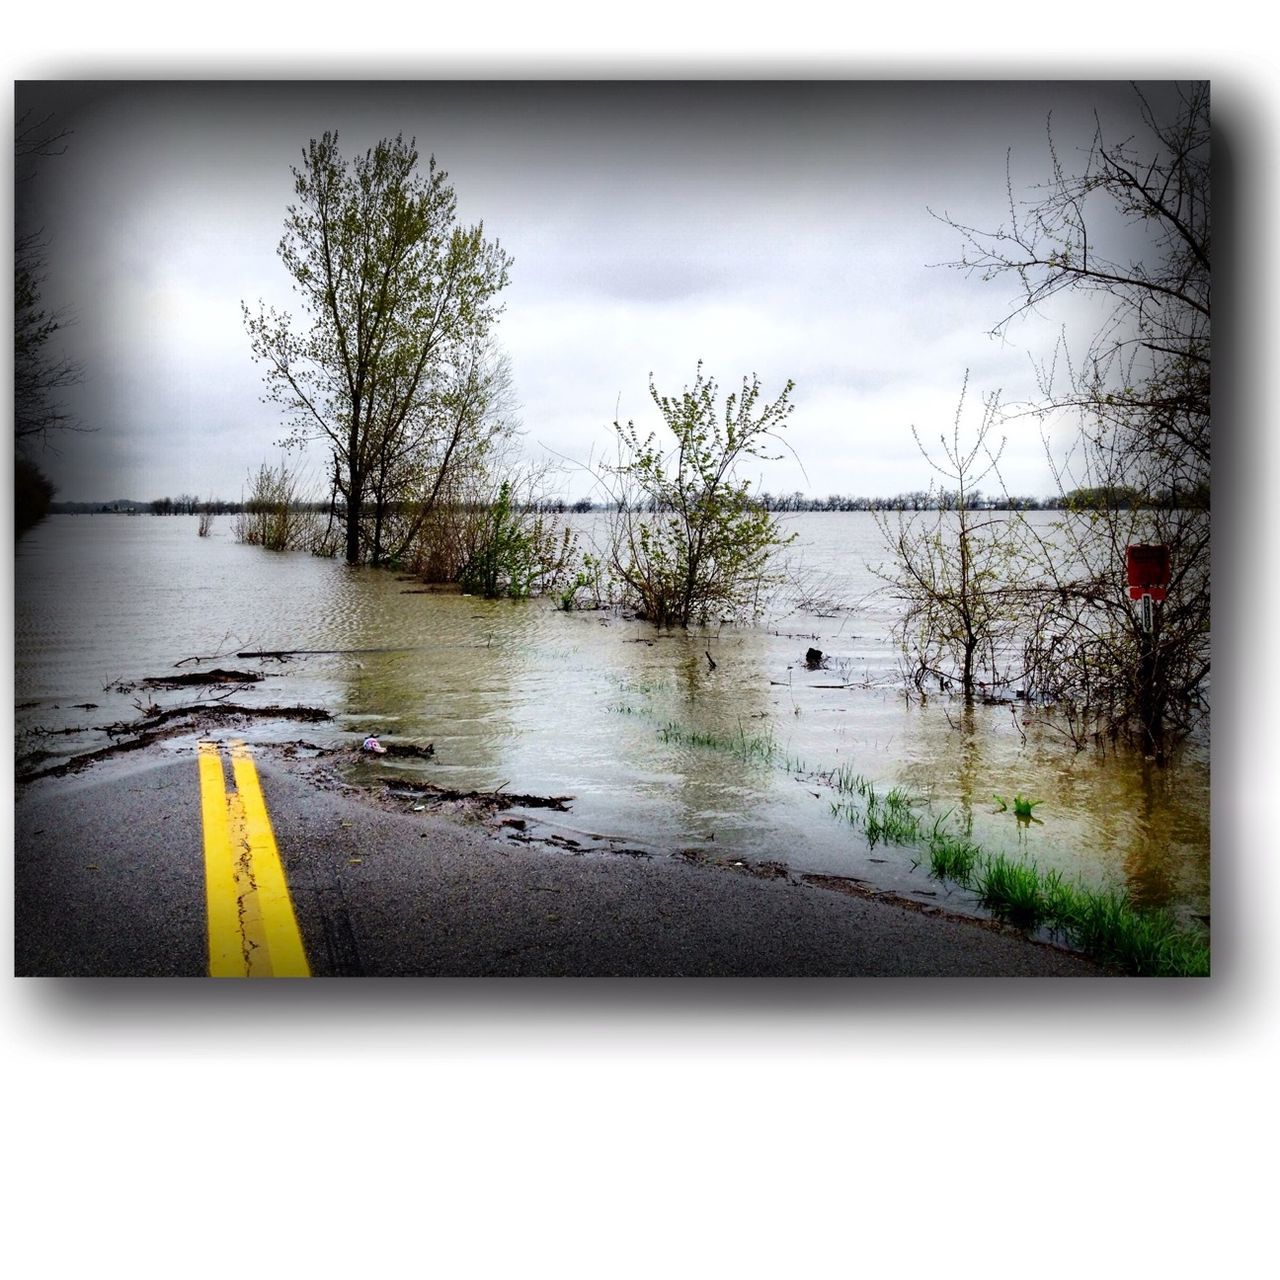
1147,567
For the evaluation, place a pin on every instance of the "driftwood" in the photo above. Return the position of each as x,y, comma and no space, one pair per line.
406,750
216,676
486,799
217,711
167,724
283,655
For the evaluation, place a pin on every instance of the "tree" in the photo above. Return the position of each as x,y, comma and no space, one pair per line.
33,492
394,293
423,465
1146,370
1141,393
957,572
41,372
691,542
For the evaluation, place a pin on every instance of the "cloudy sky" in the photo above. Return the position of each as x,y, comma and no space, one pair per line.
776,228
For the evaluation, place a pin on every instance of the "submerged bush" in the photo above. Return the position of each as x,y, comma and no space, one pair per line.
275,515
691,542
517,551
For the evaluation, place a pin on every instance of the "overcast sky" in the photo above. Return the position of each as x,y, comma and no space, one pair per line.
781,229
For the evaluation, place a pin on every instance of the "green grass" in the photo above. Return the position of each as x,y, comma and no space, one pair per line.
844,780
951,857
754,750
1022,805
1102,923
1009,890
1107,925
890,819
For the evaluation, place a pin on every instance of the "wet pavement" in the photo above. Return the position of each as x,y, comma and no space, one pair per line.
109,880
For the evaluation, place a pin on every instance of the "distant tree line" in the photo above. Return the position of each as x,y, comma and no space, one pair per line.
915,500
1081,499
1096,498
186,504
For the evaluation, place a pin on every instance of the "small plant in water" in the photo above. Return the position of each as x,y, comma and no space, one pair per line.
1021,805
951,857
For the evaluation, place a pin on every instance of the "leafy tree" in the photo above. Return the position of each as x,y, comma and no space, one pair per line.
691,542
465,420
395,295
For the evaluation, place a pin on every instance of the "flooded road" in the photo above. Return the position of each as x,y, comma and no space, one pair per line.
659,749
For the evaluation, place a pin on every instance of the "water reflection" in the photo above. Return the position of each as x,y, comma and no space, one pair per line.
1115,819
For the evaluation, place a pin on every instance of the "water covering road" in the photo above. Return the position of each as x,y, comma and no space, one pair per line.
519,695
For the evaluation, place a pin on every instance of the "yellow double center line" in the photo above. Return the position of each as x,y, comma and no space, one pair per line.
253,932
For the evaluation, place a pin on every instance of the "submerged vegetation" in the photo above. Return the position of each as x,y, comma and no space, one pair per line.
690,542
1020,804
1100,922
1138,388
275,516
516,552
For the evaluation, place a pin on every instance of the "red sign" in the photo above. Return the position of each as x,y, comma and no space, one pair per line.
1148,570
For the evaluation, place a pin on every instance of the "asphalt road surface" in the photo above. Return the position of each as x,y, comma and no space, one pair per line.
112,878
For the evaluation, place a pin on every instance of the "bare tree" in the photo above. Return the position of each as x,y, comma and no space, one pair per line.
1141,393
957,571
41,372
1146,369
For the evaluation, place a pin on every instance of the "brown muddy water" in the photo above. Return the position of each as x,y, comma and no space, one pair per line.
521,696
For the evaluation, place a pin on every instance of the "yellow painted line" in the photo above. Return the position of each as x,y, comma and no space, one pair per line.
253,932
284,942
253,937
226,945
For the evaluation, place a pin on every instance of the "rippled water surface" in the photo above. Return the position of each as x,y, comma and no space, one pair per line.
520,695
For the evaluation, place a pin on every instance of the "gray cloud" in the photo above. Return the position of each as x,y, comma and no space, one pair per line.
780,228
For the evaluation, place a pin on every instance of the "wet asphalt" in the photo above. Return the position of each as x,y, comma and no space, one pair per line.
109,881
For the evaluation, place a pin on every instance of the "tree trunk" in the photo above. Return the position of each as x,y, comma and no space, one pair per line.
378,508
353,529
1150,701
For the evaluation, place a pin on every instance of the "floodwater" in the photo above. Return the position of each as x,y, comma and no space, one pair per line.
521,696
